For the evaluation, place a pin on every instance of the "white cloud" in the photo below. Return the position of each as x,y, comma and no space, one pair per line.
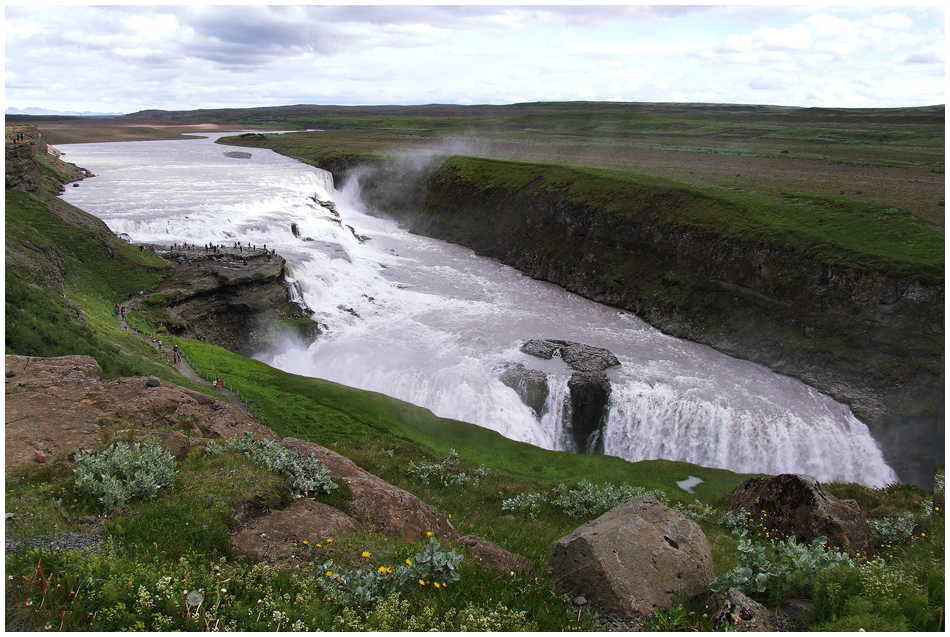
797,37
110,58
896,21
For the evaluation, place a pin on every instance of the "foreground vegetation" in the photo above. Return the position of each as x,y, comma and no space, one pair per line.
167,562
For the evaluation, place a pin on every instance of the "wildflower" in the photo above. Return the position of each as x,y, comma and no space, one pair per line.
382,569
436,585
923,535
429,533
421,583
365,553
306,542
329,574
329,539
409,562
319,546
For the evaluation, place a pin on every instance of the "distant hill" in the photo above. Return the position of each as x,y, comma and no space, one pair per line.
42,112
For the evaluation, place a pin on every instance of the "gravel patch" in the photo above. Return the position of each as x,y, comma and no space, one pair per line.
87,543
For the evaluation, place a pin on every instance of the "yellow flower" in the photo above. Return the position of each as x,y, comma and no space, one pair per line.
319,546
329,539
382,569
436,585
450,516
365,553
429,533
923,535
329,573
421,583
408,562
306,542
443,584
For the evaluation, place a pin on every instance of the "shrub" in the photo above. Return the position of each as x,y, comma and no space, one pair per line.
790,565
892,529
448,473
589,500
736,522
308,474
695,511
429,567
122,472
525,502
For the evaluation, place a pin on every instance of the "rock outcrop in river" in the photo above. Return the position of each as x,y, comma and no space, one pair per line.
589,387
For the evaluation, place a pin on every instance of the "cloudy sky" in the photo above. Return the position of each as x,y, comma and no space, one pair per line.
130,58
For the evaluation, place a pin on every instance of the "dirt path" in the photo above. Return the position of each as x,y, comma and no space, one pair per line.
182,366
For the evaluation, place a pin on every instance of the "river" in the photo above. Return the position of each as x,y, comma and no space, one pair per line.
434,324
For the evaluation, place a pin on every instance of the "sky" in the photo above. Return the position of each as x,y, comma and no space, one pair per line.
109,59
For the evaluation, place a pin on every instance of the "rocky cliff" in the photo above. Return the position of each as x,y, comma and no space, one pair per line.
235,299
867,338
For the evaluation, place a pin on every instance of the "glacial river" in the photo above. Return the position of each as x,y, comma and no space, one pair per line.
434,324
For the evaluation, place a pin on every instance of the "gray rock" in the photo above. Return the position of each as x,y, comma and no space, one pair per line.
743,613
579,357
590,392
584,358
540,348
492,556
531,386
637,557
800,610
796,505
10,373
152,381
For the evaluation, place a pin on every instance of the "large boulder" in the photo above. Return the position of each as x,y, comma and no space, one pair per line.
378,505
796,505
634,559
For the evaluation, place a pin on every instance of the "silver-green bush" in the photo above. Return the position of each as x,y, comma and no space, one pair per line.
122,472
308,474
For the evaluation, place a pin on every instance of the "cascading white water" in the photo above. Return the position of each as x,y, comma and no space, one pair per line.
431,323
